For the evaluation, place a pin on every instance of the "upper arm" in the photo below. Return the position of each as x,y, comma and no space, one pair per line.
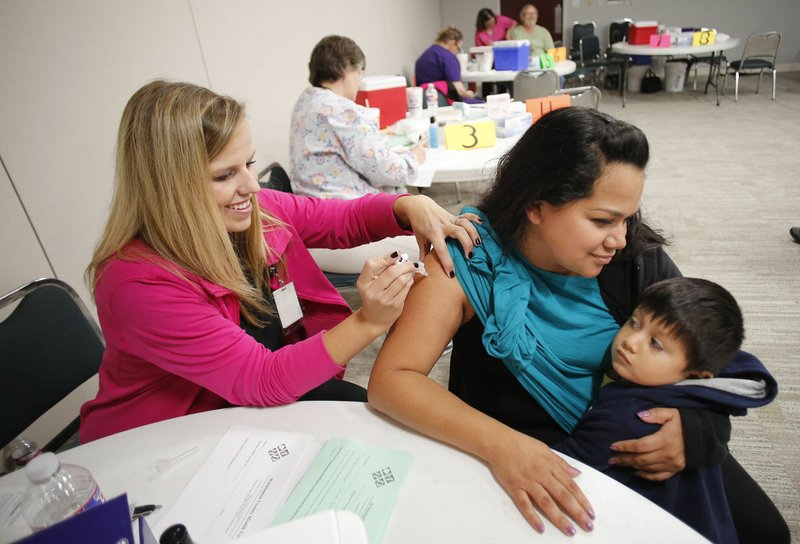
452,69
434,310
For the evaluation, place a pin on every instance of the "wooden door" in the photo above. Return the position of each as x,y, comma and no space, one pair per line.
547,13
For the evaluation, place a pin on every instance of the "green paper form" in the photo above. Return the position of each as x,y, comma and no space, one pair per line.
350,476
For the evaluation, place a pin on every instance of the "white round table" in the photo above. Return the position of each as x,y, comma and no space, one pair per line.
563,68
449,496
723,43
454,166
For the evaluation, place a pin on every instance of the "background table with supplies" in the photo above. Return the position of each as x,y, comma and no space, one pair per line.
449,496
451,166
723,43
563,68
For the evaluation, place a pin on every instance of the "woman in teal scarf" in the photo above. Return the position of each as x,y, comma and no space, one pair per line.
560,261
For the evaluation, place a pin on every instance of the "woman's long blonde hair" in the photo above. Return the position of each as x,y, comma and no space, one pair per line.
168,135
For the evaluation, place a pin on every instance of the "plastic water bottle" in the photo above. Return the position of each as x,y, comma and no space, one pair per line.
432,100
19,452
57,492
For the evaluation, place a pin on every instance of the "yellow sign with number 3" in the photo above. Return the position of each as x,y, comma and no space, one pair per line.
704,37
470,135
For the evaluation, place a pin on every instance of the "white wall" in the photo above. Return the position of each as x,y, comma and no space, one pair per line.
737,18
462,15
69,68
23,259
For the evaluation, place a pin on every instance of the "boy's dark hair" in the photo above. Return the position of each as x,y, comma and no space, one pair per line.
702,315
332,57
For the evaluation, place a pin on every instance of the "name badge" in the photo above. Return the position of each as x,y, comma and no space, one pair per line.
288,305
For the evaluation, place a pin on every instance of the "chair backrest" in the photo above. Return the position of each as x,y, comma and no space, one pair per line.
275,177
49,345
535,84
587,97
589,49
762,46
581,30
618,31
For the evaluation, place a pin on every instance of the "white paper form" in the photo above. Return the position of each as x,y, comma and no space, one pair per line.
242,484
10,506
12,526
354,477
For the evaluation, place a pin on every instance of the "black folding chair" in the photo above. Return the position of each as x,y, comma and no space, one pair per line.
49,345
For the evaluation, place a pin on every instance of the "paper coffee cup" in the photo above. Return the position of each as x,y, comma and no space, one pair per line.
414,101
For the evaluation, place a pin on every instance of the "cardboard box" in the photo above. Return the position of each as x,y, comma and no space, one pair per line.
639,32
387,93
511,54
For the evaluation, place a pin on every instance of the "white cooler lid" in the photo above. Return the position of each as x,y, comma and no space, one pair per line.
640,24
511,43
374,83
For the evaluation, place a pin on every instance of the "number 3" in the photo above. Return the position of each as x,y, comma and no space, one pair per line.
471,135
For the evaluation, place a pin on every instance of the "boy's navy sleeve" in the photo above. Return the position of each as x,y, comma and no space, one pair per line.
705,437
600,427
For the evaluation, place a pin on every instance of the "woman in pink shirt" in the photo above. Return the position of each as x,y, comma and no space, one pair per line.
205,290
490,28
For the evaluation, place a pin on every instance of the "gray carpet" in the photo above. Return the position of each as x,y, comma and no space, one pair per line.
724,184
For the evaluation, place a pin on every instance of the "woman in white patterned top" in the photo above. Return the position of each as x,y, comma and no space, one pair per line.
336,148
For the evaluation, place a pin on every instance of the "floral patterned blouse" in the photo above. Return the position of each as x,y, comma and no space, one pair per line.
337,151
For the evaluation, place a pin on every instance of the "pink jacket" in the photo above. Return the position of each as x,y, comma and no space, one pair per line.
174,345
502,25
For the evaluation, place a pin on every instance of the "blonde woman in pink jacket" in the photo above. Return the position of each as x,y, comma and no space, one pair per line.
205,290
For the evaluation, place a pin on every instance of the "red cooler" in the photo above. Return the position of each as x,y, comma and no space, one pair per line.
639,32
387,93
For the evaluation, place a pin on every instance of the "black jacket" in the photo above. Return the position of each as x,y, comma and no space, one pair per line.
696,496
486,384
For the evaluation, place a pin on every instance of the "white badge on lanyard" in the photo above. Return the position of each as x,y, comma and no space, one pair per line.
287,304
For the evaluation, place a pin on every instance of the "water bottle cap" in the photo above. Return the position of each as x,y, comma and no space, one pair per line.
42,467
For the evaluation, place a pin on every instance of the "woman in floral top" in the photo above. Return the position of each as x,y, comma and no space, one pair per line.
335,146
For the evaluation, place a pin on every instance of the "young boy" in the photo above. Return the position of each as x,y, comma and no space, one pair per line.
679,349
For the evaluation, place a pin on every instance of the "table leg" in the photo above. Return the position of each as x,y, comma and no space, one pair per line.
624,81
710,71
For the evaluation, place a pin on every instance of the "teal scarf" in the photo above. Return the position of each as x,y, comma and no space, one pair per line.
526,323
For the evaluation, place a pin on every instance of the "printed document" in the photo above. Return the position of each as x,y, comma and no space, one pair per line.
241,485
354,477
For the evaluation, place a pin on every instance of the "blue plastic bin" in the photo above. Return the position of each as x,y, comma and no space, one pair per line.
511,55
